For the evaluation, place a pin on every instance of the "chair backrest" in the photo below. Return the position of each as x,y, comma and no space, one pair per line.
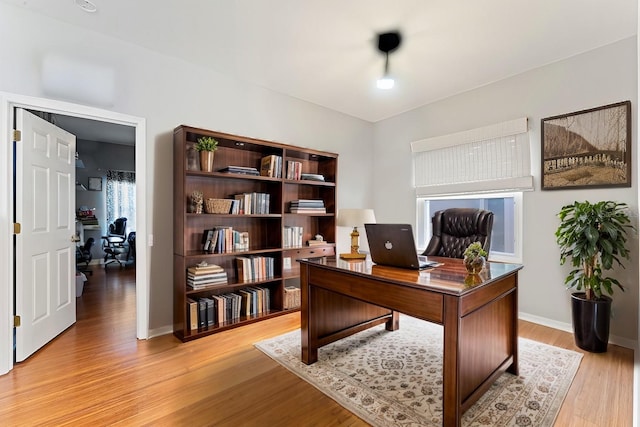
456,228
83,254
119,227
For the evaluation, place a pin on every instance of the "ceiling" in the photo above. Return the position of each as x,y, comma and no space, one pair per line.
324,51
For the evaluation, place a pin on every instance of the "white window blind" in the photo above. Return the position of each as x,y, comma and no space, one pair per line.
488,159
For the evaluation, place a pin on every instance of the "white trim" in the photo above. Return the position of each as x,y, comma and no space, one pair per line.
567,327
8,102
485,133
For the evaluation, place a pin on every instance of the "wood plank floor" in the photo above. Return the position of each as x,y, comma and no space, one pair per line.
96,373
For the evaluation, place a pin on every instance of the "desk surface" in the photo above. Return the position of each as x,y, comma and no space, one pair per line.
450,277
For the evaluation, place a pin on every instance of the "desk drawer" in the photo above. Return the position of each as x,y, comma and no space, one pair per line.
314,252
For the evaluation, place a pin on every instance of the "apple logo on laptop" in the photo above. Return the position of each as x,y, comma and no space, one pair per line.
388,245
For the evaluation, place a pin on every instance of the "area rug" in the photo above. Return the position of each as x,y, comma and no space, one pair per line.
395,378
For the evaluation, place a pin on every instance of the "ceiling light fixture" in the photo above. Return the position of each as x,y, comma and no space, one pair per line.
387,42
86,5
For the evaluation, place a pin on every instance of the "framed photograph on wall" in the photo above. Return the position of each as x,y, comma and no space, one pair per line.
95,183
587,149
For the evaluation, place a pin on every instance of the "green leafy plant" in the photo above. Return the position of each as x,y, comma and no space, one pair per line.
594,237
206,143
474,250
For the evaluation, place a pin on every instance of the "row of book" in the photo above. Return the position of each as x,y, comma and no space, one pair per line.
208,311
251,204
255,268
204,275
307,206
294,169
271,166
224,239
292,236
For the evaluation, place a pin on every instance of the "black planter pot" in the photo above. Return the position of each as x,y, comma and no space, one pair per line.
591,322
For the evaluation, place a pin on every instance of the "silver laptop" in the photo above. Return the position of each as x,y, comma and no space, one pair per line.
393,244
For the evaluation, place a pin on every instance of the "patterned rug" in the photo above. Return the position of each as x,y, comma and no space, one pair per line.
395,378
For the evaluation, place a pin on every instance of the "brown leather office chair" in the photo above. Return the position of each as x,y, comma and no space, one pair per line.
456,228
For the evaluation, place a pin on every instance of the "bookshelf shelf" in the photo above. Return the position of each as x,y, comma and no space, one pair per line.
266,230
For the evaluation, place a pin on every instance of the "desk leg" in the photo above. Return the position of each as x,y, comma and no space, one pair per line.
394,323
309,336
450,364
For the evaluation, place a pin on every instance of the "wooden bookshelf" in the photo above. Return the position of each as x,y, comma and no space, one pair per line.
265,230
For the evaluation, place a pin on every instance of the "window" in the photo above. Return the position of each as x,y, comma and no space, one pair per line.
121,197
506,244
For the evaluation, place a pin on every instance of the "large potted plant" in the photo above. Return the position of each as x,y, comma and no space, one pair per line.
206,145
594,237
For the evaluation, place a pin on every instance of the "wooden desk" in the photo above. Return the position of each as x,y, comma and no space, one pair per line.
480,318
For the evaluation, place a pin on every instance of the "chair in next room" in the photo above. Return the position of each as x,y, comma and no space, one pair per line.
83,256
113,244
456,228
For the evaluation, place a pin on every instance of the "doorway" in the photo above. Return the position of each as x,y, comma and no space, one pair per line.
8,103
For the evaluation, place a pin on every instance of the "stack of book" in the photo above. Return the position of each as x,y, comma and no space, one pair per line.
271,166
311,177
241,170
309,206
203,275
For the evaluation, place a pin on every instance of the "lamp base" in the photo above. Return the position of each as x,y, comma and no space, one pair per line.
353,256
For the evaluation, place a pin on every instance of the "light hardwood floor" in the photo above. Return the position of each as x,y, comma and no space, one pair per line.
96,373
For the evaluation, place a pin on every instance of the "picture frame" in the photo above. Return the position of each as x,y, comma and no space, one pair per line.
587,149
95,183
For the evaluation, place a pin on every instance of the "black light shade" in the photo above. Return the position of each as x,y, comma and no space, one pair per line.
388,42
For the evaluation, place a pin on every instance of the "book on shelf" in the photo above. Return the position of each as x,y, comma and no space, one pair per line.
192,312
292,236
240,170
251,204
311,177
271,166
255,268
314,242
294,169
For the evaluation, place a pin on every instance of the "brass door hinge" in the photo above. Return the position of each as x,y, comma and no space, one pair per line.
17,135
17,228
16,321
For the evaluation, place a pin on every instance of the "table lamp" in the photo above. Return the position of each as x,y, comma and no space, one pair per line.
355,218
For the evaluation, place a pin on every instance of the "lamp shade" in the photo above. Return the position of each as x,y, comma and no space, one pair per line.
355,217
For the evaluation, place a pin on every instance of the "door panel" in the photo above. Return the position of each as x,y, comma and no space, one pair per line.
45,252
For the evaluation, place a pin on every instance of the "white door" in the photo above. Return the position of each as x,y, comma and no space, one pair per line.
45,247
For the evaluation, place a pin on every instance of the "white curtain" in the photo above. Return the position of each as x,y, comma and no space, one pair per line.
121,197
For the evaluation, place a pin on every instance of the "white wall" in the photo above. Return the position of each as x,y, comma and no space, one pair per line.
169,92
592,79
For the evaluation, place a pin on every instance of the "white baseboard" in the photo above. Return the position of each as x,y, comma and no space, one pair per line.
164,330
567,327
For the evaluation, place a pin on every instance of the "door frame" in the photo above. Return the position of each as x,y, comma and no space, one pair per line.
9,101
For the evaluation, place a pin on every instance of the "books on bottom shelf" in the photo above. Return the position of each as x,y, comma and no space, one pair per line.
203,275
204,312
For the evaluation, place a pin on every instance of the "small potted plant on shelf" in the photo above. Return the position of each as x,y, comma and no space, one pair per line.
474,258
206,145
593,236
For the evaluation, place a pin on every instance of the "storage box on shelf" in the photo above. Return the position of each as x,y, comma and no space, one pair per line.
246,201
